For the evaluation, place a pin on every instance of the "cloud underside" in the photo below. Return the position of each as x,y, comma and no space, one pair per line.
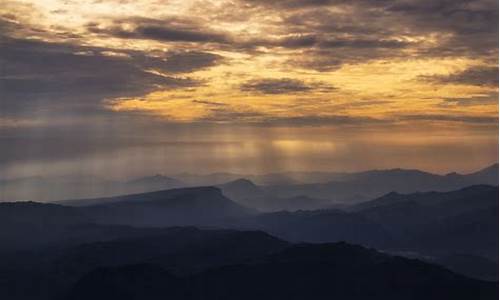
282,86
55,71
479,75
64,75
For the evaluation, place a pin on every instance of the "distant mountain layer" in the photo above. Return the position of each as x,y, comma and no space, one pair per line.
347,188
358,187
247,193
328,271
277,191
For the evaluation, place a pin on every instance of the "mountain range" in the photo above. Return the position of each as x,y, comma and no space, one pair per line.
238,240
269,192
304,271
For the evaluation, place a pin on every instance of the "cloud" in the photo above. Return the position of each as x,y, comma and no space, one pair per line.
489,99
274,86
362,44
292,4
330,120
491,120
57,76
209,103
183,61
477,75
166,30
361,104
324,35
223,114
391,29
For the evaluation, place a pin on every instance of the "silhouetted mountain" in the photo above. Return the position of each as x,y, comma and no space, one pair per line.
471,266
473,233
188,206
466,199
335,187
50,273
29,224
432,224
247,193
488,175
241,190
358,187
297,203
329,271
463,221
209,179
222,178
321,226
181,250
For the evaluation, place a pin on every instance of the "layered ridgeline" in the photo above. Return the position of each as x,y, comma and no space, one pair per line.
189,263
317,190
30,224
50,272
58,250
328,271
270,192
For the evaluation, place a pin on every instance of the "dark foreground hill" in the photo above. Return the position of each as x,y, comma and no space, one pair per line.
49,273
328,271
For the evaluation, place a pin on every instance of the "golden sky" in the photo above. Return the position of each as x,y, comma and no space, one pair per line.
308,79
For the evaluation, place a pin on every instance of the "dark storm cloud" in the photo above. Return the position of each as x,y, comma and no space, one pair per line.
362,44
472,25
282,86
477,75
34,71
322,43
300,41
167,30
167,34
180,61
209,103
55,76
325,40
461,28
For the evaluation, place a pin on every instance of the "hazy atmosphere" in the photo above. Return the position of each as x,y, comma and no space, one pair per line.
129,88
249,149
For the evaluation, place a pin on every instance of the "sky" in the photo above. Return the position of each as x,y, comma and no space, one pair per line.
121,88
